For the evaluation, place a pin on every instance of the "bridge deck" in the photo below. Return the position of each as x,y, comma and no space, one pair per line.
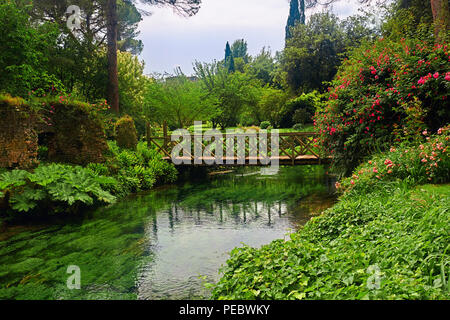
250,161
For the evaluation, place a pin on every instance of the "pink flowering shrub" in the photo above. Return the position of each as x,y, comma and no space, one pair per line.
385,93
426,162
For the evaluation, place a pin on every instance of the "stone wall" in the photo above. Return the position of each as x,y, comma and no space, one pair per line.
18,138
76,135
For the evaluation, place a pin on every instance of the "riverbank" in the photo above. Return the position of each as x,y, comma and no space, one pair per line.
392,243
386,238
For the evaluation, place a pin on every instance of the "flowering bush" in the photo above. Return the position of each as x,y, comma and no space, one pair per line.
413,163
385,92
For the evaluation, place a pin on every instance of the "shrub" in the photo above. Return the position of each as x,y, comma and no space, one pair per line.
271,102
139,170
297,127
125,131
426,162
299,110
264,125
385,92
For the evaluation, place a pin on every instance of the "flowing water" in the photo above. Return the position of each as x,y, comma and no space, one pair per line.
164,244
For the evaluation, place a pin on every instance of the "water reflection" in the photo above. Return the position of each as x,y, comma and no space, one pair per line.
198,229
156,245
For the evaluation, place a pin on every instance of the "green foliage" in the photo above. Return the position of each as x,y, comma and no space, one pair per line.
262,67
295,17
229,59
234,93
385,92
79,62
426,162
132,82
264,125
299,110
388,242
177,100
55,186
409,19
239,50
25,51
297,127
139,170
315,50
271,105
125,132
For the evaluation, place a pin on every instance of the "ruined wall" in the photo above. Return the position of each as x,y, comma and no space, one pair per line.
18,138
76,135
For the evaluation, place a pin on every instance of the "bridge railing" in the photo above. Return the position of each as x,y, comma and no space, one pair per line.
292,146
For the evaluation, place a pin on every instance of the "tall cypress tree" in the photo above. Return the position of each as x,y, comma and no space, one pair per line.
229,60
294,17
302,12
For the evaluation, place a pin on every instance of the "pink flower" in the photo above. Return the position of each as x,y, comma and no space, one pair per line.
447,76
392,149
375,170
352,182
389,171
424,160
337,185
436,75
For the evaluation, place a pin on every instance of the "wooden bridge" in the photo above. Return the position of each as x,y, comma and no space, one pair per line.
292,148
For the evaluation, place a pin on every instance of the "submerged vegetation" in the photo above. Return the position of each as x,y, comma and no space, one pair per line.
116,245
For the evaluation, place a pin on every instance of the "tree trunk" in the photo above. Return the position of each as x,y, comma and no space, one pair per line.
113,83
441,16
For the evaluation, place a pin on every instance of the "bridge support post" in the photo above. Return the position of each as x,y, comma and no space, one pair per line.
293,151
166,138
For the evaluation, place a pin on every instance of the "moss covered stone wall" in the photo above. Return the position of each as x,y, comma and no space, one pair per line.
18,137
76,133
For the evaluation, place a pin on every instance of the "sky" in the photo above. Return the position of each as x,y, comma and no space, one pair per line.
171,41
